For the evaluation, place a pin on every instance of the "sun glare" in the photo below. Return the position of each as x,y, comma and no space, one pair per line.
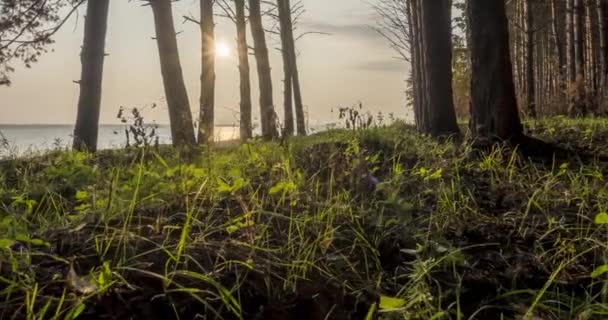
222,50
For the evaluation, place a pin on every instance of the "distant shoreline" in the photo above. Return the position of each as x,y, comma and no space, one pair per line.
101,125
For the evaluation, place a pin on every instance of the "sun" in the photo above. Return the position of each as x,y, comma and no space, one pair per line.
222,50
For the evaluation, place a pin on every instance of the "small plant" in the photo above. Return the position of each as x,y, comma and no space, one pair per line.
6,149
354,118
138,133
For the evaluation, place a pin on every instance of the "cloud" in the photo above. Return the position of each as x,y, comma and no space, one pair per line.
362,31
384,65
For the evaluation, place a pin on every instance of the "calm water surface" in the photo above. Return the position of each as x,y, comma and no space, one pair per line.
23,139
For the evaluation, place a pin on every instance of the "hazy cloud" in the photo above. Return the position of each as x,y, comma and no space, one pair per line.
384,65
362,31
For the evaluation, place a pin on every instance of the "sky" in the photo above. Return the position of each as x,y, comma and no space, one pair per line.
349,64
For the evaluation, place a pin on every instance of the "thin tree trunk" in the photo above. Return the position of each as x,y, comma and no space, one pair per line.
593,50
92,58
494,103
556,17
530,76
207,100
417,77
246,127
571,47
521,48
603,18
424,123
297,94
602,13
180,116
267,114
437,34
578,106
289,123
410,4
293,58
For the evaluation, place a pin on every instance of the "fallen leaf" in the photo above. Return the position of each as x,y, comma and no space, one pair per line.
79,284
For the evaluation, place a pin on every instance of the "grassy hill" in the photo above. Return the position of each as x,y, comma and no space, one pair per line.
372,224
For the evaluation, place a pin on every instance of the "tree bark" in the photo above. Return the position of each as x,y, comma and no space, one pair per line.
578,105
207,100
411,10
593,50
423,123
92,58
297,88
570,34
602,12
556,17
246,127
437,33
494,104
267,114
180,116
289,123
530,67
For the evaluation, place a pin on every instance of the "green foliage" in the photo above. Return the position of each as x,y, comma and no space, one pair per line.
601,218
383,210
69,171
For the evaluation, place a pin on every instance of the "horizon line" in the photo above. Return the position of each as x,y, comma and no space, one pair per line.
101,124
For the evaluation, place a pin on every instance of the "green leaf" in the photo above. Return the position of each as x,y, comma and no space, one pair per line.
7,221
599,271
6,243
82,195
601,218
387,303
39,242
283,186
371,312
24,238
232,228
235,173
239,184
76,311
223,187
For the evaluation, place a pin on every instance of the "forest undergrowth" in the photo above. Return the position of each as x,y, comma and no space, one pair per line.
381,223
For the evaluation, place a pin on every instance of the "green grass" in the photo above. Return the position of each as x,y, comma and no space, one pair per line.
379,223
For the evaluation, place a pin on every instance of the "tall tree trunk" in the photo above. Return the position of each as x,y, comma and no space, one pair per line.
297,87
92,58
289,123
437,34
416,70
593,50
494,105
246,127
571,47
180,116
207,100
557,17
519,47
578,105
530,76
297,95
295,73
415,78
424,124
603,17
267,114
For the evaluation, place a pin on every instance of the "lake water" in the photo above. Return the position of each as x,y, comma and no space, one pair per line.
24,139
